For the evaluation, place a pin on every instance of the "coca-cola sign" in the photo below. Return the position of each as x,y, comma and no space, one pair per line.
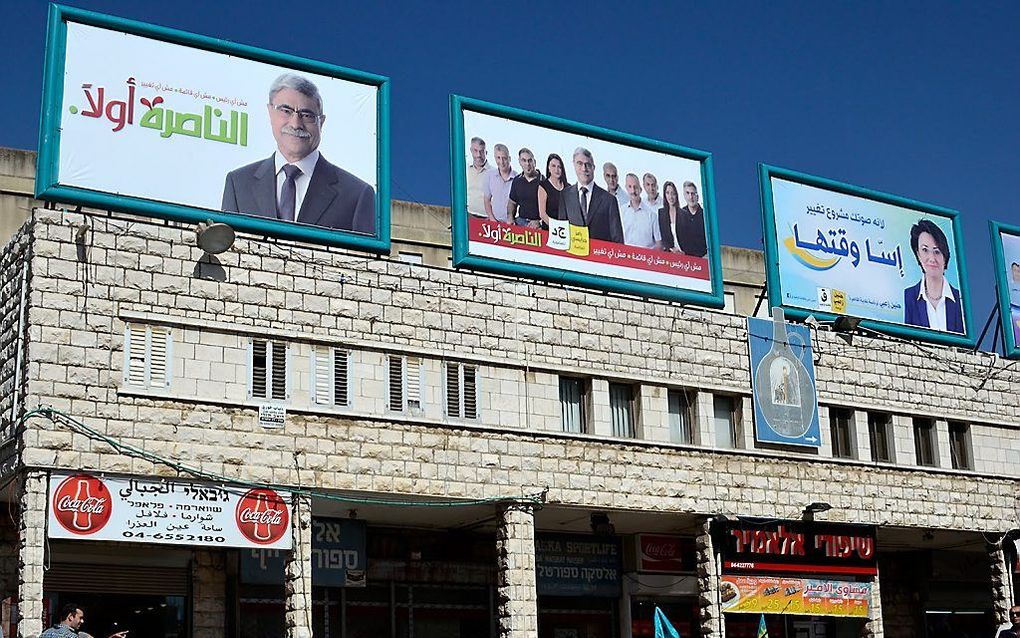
82,504
665,553
167,511
262,516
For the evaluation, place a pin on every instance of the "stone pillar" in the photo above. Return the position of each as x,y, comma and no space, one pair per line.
517,598
1002,581
873,627
298,577
711,616
209,586
31,553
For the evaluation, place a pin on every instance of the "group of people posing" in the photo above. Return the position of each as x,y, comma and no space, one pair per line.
635,213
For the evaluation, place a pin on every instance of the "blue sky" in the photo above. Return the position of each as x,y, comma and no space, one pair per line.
917,99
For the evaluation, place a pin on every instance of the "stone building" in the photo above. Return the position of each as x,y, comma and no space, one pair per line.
512,458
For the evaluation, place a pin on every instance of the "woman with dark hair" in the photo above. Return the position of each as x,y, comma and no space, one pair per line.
549,189
669,218
932,302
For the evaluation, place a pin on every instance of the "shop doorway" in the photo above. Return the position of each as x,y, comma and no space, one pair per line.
144,616
577,617
682,613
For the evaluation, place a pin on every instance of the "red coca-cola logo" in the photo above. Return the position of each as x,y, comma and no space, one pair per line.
662,551
82,504
262,516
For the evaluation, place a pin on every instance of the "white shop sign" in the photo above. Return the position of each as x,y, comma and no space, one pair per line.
167,511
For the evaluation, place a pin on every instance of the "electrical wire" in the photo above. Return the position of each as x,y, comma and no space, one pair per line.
61,418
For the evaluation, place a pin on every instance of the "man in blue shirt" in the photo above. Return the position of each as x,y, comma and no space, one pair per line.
70,619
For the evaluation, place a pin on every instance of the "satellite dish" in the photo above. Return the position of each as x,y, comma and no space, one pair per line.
214,238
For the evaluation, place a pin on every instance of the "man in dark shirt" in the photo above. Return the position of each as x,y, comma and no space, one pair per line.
690,223
522,208
1014,617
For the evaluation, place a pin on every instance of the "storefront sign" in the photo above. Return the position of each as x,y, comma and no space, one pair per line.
796,546
775,595
571,565
167,512
338,557
665,554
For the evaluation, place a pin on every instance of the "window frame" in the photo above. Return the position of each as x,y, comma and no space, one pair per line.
331,355
461,393
735,426
270,357
845,436
406,363
881,421
924,432
960,437
629,408
129,350
675,419
583,402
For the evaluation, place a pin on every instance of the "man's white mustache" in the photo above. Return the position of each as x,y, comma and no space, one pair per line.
296,132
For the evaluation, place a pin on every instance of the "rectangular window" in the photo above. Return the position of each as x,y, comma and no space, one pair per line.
924,442
621,409
880,435
574,404
404,383
959,446
269,378
331,376
410,258
147,358
730,302
841,430
726,419
461,390
681,415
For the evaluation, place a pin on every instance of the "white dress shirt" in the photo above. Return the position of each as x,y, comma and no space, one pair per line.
499,190
936,309
307,166
640,225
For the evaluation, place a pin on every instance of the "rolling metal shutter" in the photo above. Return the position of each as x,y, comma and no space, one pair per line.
117,579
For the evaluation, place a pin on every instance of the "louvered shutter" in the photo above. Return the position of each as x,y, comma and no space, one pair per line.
341,387
323,378
452,389
396,384
279,369
470,391
413,371
159,355
258,368
135,346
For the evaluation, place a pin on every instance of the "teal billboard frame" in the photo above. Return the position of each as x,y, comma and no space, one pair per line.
459,214
775,285
996,230
48,187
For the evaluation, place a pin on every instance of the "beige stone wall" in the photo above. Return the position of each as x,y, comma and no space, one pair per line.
131,270
17,187
209,593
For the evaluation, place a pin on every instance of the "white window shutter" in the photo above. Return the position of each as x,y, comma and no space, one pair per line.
470,391
341,381
396,382
452,389
135,349
413,372
259,366
322,372
159,357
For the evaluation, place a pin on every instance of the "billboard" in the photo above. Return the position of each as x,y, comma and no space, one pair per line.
576,565
1006,257
167,512
783,382
834,249
538,196
805,547
173,125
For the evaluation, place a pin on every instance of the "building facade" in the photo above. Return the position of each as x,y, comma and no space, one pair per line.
473,455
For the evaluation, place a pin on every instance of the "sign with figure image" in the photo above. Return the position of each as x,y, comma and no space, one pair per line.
167,512
538,196
171,124
783,382
834,249
1006,256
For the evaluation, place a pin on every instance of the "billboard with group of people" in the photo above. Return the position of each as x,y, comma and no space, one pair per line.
174,125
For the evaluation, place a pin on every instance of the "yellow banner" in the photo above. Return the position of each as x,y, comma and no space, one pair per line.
780,595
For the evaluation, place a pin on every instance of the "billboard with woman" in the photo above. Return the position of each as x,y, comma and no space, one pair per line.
538,196
834,249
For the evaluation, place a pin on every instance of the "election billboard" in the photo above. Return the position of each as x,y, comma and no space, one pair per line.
834,249
1006,257
539,196
159,122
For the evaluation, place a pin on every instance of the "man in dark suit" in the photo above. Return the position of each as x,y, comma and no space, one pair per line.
296,183
588,204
